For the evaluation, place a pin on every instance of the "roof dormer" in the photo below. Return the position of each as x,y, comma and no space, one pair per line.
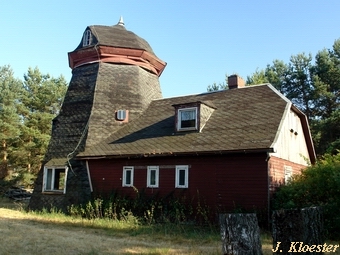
87,38
192,116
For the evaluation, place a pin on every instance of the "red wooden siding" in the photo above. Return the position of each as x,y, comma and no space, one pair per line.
223,182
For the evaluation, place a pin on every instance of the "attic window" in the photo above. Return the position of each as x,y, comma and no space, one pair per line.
187,118
193,116
87,38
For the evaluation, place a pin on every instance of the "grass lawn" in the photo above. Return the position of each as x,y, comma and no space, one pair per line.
57,234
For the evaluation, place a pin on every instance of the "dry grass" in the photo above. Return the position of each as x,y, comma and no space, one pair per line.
23,233
28,233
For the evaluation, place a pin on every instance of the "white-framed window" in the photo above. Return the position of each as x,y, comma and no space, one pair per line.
187,118
127,176
182,177
288,173
87,38
152,177
55,179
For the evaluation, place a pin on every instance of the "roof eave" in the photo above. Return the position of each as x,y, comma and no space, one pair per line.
169,154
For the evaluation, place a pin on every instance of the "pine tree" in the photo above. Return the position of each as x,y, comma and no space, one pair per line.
10,121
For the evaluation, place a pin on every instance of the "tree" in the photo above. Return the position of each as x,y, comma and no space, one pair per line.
10,121
326,127
219,86
259,77
317,185
300,88
42,100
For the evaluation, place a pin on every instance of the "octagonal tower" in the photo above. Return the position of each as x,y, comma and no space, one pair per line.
115,75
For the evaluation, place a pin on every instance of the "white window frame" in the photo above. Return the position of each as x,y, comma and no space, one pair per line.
148,181
125,170
179,118
288,171
186,177
48,182
87,37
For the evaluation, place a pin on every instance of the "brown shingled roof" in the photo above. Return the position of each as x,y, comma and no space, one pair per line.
117,36
245,119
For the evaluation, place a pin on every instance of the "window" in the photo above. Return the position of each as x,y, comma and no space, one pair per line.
127,176
87,38
152,177
182,177
55,179
122,115
187,119
288,173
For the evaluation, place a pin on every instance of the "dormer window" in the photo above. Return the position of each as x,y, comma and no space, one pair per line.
192,116
187,118
87,38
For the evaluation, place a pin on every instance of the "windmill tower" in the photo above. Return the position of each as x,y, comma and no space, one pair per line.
115,75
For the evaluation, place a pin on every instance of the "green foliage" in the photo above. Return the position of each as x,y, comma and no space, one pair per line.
259,77
314,87
218,86
145,209
318,185
26,112
10,95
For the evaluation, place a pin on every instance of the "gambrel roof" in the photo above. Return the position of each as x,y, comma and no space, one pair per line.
243,120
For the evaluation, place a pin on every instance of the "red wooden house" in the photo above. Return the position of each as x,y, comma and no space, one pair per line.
116,132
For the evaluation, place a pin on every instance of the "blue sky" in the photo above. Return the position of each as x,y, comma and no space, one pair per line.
201,41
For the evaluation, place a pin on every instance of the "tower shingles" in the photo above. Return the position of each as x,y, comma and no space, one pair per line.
99,87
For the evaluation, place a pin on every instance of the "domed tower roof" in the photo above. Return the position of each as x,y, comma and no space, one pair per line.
115,44
115,36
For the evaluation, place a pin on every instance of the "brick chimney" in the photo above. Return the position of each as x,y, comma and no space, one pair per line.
235,81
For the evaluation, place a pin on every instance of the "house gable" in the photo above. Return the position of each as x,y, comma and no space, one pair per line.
291,141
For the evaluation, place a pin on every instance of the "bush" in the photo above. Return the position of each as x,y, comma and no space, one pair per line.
147,209
318,185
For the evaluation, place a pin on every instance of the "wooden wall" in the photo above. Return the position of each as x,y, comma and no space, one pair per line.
224,182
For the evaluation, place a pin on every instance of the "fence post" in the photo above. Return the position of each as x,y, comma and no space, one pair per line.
240,234
297,230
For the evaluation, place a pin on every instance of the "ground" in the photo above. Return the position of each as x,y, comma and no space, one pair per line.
26,234
20,234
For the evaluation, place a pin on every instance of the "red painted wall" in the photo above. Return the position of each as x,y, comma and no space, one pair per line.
224,182
277,172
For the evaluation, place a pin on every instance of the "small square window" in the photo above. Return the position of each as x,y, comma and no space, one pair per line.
182,177
55,179
127,176
153,177
122,115
187,119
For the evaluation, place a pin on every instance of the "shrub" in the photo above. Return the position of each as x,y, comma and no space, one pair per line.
148,209
318,185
